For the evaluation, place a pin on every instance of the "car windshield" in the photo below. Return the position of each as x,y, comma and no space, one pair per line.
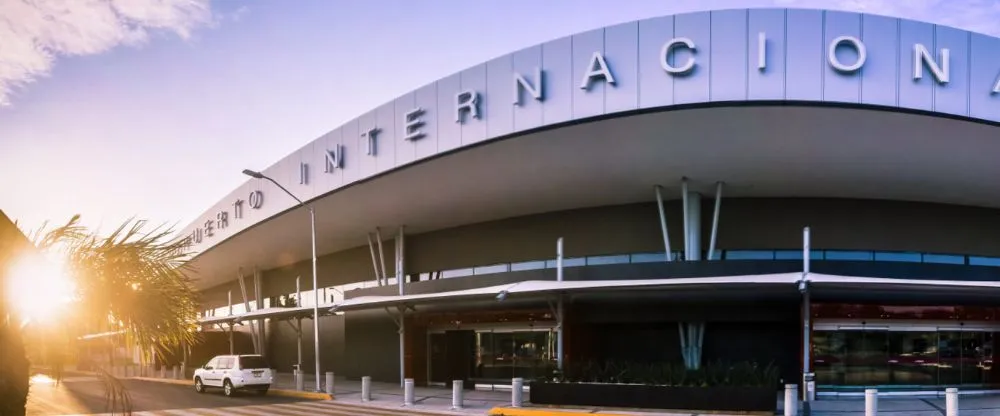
253,362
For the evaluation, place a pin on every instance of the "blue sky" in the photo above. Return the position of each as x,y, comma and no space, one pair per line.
151,108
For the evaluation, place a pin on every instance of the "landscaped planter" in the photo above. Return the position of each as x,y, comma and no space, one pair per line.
726,398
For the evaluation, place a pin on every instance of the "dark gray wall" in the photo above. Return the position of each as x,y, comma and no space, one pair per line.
373,347
744,224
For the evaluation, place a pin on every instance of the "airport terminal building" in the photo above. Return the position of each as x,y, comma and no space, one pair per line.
677,162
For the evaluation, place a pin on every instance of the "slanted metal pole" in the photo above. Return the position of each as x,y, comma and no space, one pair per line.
663,222
246,306
684,206
259,296
715,221
298,321
559,305
371,248
230,300
381,253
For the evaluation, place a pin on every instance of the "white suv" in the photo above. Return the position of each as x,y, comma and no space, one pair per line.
234,372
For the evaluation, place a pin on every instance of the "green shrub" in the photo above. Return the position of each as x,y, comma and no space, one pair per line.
740,374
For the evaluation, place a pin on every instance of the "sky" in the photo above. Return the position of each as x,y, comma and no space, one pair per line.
150,109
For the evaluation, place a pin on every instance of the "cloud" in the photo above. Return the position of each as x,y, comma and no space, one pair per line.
981,16
33,34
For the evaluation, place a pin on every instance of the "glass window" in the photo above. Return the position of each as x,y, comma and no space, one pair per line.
527,265
984,261
225,363
567,262
944,258
897,256
600,260
749,255
648,257
848,255
252,362
448,274
496,268
213,363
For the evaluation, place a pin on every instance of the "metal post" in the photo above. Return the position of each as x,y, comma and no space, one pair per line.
791,400
715,221
806,312
871,402
400,280
559,306
246,306
685,209
312,219
300,380
231,349
329,382
408,392
298,331
457,401
663,222
259,296
951,401
366,389
517,392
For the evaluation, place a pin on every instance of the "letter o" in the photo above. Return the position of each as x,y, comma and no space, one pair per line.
856,44
665,53
256,199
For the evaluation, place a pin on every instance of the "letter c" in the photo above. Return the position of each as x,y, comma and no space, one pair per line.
670,46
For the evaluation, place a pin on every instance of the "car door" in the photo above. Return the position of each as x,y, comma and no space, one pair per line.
209,377
225,364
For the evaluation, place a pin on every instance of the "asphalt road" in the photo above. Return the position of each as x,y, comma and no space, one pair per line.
85,394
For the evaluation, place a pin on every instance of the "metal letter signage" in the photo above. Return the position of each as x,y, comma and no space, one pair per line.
466,101
597,68
522,84
412,123
303,173
922,57
855,43
665,56
209,226
335,158
223,220
372,148
238,208
256,199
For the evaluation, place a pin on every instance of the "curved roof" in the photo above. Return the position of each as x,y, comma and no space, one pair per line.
713,58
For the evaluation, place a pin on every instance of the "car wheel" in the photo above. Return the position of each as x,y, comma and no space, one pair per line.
198,386
227,388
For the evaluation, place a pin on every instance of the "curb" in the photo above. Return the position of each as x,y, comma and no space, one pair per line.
275,392
517,411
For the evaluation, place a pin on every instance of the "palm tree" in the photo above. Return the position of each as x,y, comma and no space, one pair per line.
14,366
132,282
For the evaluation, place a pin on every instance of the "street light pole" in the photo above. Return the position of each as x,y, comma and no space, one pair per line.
312,222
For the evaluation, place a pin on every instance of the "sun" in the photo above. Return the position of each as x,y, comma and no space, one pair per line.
39,287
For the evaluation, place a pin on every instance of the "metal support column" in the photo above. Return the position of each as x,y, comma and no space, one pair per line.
229,296
663,222
685,207
715,221
692,222
259,297
559,306
298,327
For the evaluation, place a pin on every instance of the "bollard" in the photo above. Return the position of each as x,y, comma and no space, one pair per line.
408,392
791,399
517,392
456,394
329,382
366,389
951,402
176,373
300,381
871,402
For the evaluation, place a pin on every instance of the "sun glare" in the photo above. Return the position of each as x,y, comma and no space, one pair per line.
39,288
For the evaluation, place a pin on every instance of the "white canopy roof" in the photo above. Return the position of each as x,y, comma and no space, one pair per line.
540,288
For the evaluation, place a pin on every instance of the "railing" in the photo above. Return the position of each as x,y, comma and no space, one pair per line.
335,294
